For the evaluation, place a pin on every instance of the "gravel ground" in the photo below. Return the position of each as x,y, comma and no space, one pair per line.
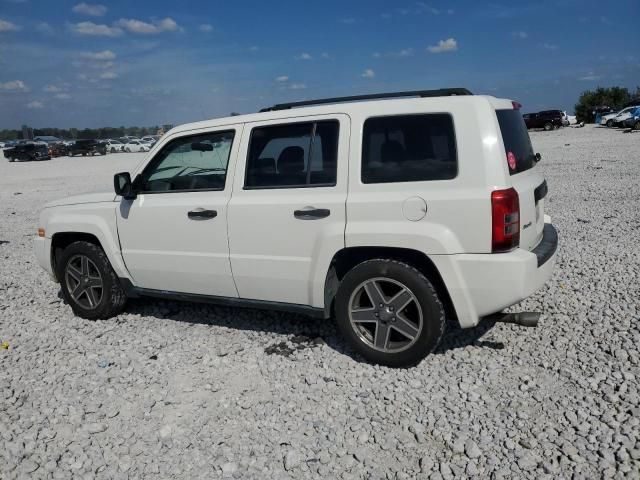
174,390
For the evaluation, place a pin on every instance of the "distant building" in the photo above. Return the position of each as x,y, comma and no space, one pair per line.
27,133
46,138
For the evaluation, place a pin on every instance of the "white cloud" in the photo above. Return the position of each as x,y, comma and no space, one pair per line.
90,28
205,27
52,89
304,56
325,55
8,26
368,73
347,21
254,48
589,77
521,34
14,86
297,86
549,46
282,78
448,45
62,96
45,28
103,55
138,26
405,52
93,10
109,75
35,104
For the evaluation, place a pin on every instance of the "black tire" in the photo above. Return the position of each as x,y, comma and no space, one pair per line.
610,123
113,150
424,300
548,126
637,125
112,298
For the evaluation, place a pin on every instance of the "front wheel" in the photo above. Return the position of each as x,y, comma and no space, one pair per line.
389,312
89,283
548,127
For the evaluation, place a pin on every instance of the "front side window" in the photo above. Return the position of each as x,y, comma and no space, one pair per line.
293,156
409,148
191,163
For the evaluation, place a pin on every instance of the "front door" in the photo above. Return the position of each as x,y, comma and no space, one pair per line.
287,213
173,236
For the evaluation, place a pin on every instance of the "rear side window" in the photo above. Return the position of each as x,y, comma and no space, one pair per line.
409,148
517,144
293,156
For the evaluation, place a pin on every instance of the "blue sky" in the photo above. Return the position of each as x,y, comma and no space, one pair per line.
91,64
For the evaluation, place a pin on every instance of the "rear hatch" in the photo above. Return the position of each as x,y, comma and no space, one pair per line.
526,177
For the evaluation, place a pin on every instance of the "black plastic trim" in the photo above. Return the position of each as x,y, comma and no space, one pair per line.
443,92
136,292
540,192
548,245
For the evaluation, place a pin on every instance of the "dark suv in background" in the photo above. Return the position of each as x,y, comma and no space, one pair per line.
27,151
87,147
547,119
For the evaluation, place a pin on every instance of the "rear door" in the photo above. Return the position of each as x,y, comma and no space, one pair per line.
526,177
287,212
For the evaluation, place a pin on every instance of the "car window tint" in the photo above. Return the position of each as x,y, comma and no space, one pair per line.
409,148
516,140
196,162
293,155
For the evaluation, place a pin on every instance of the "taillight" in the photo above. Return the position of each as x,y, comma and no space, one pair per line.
505,220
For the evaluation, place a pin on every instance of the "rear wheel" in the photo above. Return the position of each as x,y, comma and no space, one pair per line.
113,150
389,312
610,123
89,283
548,126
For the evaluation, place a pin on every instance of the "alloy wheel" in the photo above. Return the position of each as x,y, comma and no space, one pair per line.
84,282
385,314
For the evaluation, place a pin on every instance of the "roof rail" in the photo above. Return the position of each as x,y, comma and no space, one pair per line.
442,92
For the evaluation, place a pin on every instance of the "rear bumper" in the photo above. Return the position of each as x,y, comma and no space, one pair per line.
482,284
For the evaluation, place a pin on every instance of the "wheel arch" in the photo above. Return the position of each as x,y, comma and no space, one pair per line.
61,240
347,258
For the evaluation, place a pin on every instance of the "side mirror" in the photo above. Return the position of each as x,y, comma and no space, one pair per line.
122,185
538,157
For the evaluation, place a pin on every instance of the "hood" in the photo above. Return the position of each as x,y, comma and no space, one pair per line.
83,199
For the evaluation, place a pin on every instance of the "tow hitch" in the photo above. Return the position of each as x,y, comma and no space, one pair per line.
524,319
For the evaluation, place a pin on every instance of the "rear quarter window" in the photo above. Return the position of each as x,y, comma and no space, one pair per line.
517,143
409,148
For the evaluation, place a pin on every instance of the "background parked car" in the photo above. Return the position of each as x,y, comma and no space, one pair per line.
617,118
136,146
548,119
87,147
150,139
58,149
634,120
27,151
114,146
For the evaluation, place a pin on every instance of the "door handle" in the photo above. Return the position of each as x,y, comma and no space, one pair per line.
201,214
311,213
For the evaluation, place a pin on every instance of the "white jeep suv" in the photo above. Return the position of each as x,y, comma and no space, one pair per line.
391,212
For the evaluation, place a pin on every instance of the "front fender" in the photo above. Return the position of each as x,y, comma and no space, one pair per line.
97,219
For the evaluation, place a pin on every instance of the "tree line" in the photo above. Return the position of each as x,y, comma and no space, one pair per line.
600,99
86,133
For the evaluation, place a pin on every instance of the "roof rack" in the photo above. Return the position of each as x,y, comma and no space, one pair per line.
442,92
